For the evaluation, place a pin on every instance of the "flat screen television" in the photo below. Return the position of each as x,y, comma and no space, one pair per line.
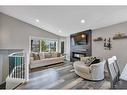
80,39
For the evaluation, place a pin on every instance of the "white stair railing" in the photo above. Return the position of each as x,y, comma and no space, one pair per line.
17,65
16,70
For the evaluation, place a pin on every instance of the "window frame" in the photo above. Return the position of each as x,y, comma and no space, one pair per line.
45,39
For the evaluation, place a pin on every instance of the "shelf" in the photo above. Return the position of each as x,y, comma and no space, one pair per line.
123,37
98,39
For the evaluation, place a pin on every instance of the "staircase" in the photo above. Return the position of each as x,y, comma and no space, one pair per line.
16,70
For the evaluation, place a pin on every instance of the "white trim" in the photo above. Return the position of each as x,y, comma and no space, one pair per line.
12,54
40,45
1,64
27,66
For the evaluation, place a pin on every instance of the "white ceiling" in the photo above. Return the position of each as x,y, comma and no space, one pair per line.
67,18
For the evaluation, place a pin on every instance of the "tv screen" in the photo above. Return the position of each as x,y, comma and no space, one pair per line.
80,39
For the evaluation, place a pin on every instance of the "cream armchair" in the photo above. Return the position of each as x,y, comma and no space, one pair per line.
93,72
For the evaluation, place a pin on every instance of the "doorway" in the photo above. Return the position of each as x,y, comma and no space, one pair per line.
62,47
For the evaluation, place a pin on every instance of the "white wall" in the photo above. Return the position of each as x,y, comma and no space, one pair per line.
1,61
4,61
15,33
68,48
119,47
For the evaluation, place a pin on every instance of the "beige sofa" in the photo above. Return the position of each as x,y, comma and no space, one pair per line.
44,59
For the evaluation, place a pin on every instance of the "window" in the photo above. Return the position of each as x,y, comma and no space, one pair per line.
52,46
35,45
44,45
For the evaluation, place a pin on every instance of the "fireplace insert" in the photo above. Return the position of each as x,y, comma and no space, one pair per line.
78,55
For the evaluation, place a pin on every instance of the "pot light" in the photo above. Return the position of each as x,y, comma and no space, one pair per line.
82,21
83,36
60,31
37,20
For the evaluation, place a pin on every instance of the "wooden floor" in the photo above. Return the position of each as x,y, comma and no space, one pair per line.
3,85
60,76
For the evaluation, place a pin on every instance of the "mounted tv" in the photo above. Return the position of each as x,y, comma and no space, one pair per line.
80,39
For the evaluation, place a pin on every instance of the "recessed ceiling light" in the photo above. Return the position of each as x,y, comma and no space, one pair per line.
37,20
83,36
82,21
60,31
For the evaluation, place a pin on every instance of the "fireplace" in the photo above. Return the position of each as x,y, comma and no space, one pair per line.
80,46
78,55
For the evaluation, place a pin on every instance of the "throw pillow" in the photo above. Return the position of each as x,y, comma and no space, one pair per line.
36,56
90,60
96,61
58,54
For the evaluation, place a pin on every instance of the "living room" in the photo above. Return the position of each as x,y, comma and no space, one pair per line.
48,44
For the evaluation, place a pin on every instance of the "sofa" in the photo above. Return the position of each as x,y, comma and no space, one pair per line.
93,72
44,59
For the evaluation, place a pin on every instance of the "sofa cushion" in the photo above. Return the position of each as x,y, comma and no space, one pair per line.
46,61
54,54
58,54
36,56
41,55
48,55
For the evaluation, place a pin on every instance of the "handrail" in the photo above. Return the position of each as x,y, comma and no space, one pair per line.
17,65
16,54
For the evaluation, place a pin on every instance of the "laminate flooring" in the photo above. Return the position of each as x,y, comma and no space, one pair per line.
60,76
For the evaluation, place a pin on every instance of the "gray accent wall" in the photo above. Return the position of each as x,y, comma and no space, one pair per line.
119,47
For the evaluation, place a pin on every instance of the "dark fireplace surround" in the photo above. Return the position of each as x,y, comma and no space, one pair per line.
77,51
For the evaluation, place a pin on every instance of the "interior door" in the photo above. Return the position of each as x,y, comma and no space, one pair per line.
62,47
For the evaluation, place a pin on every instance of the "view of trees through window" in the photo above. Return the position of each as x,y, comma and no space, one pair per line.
35,45
52,46
43,45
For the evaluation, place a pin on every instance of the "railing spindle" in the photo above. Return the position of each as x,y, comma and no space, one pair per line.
16,65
